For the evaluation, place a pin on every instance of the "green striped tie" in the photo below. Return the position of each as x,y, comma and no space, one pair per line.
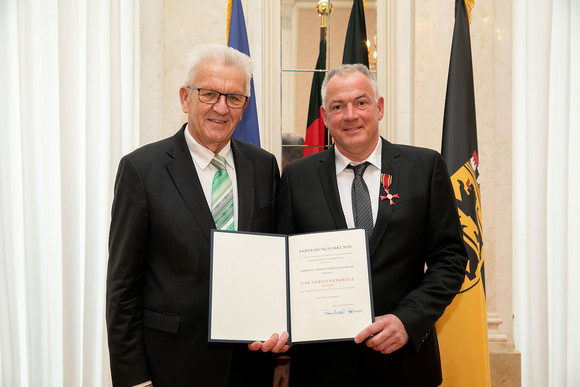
222,196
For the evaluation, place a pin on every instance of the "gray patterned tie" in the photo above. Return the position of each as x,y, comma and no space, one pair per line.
361,201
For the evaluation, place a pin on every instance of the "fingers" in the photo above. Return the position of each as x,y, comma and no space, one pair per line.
270,343
276,344
388,334
372,329
255,346
281,344
364,334
385,344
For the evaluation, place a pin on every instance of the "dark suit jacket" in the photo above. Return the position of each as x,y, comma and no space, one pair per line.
422,228
158,274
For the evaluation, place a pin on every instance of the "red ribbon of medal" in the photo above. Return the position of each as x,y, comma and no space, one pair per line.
386,181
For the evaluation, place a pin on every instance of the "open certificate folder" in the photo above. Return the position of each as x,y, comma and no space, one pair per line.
314,286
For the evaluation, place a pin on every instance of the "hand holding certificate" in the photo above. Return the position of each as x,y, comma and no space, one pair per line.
314,286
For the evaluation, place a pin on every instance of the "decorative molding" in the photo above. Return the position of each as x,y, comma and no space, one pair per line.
496,339
150,75
386,68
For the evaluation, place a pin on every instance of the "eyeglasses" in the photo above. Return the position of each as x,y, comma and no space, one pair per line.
211,97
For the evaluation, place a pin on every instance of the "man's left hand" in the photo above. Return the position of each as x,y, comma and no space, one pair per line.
389,334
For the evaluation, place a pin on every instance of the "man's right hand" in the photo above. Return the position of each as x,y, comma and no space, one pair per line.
275,344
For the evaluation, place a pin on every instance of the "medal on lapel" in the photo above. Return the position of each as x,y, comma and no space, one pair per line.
386,181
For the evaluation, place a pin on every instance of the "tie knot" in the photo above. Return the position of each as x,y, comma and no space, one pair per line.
359,169
219,162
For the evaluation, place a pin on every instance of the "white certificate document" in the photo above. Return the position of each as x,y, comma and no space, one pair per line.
247,286
315,286
329,282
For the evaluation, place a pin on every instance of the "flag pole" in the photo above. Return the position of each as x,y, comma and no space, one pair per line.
323,8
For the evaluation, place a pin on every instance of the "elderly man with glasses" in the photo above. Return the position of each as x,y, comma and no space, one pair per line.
168,197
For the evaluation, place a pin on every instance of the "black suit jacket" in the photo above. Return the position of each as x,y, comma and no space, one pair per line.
158,274
422,228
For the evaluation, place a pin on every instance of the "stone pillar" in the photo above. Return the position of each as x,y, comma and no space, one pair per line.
504,360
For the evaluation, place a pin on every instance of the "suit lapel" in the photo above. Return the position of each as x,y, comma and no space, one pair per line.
327,174
245,182
184,175
389,165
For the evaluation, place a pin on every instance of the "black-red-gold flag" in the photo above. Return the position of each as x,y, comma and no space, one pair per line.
316,132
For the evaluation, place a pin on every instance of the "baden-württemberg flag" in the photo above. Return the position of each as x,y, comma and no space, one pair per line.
247,129
462,330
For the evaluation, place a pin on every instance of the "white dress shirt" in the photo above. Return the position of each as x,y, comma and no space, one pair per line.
372,177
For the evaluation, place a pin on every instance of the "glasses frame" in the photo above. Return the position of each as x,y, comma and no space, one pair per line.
219,96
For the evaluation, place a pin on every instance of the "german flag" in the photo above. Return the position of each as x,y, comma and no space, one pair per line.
316,132
462,330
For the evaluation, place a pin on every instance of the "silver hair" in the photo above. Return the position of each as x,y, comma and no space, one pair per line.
345,69
218,53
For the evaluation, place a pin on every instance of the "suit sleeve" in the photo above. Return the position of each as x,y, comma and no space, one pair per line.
285,223
127,254
275,189
445,258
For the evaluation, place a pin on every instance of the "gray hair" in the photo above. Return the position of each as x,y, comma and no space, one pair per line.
345,69
218,53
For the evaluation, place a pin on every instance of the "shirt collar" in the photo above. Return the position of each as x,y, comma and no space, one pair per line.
202,155
341,161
